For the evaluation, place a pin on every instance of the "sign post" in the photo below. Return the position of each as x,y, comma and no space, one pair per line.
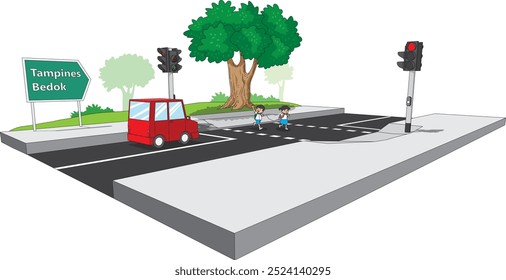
50,80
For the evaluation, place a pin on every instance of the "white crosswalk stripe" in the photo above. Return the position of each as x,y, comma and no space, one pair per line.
340,127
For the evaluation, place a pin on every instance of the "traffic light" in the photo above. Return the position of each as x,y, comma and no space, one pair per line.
164,59
412,56
174,60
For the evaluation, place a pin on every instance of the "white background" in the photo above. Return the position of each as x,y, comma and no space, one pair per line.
443,221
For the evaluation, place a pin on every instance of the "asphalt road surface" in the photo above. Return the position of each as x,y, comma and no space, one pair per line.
99,166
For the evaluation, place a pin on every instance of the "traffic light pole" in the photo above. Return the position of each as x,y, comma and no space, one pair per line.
171,80
409,101
171,85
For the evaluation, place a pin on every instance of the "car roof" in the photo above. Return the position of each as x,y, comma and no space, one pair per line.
155,100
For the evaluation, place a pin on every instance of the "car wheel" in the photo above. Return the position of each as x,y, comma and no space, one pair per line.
158,141
184,138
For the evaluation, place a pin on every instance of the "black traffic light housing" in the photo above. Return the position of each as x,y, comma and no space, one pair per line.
174,60
412,56
164,59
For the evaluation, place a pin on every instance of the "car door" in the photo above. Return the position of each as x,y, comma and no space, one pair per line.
177,120
161,121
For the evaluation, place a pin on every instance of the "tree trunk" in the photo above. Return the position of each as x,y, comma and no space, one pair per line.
127,95
240,84
281,90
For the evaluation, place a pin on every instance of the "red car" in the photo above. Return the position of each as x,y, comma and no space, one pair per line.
156,121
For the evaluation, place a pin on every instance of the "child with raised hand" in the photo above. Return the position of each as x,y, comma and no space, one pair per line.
259,113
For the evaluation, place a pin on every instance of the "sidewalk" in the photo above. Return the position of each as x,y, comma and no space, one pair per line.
46,140
236,217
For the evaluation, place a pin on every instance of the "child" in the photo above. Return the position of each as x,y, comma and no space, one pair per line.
283,117
259,113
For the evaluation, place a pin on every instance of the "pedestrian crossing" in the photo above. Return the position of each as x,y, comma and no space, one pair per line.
338,127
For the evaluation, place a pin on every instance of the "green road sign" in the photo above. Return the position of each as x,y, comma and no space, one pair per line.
54,80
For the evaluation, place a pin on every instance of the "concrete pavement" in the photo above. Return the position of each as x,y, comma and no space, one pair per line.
306,181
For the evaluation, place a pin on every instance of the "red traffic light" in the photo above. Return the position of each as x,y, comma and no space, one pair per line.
411,46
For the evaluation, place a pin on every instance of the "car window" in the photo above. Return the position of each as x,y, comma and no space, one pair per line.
176,111
139,110
161,111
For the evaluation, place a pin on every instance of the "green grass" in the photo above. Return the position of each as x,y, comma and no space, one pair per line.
192,109
205,108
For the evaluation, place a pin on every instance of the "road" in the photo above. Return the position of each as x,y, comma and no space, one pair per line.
99,166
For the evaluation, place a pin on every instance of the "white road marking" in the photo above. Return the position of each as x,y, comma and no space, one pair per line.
227,129
380,118
311,126
361,127
224,139
366,132
351,130
288,138
323,127
304,140
249,132
261,134
274,136
298,124
336,128
237,130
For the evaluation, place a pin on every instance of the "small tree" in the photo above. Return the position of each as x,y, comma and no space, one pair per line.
266,37
125,73
278,75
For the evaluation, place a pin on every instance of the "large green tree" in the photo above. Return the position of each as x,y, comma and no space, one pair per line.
125,73
265,37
